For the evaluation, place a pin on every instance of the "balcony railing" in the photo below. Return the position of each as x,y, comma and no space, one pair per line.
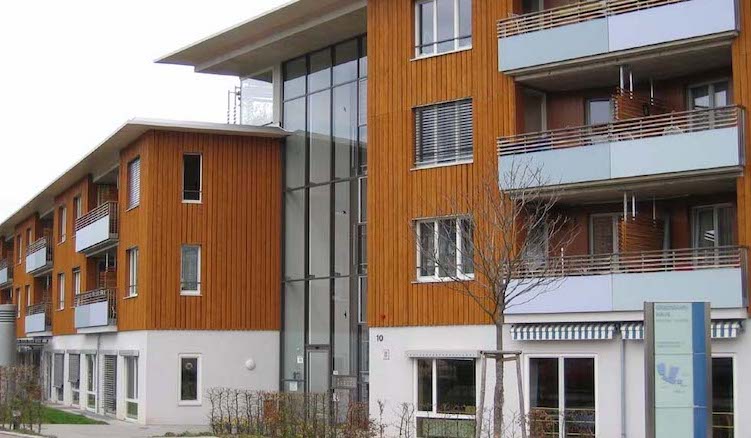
98,228
36,309
38,317
572,14
38,256
623,130
100,307
689,259
6,272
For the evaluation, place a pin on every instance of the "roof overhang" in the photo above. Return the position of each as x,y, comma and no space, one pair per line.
293,29
107,155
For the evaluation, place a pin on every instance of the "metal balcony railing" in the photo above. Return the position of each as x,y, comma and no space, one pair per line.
623,130
572,14
107,209
103,295
40,245
8,266
688,259
36,309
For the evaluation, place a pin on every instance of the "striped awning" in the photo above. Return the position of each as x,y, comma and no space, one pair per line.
721,329
563,332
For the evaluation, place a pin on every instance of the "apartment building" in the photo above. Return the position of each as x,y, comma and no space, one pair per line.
145,274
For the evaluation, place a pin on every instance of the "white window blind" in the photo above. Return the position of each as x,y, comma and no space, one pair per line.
134,183
444,133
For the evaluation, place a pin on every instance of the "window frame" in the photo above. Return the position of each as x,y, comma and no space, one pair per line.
76,281
19,244
129,181
416,111
191,292
200,178
91,390
62,229
132,276
561,357
199,380
460,274
77,207
710,84
418,46
734,362
615,219
433,413
61,291
588,110
128,376
715,213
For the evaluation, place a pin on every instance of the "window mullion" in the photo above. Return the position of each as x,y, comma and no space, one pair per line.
561,397
435,387
436,249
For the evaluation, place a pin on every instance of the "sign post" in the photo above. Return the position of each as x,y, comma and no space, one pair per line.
678,367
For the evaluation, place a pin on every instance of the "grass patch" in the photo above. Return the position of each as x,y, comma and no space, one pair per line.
56,416
188,434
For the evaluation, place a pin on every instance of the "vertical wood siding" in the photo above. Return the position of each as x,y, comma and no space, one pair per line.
398,194
238,226
20,278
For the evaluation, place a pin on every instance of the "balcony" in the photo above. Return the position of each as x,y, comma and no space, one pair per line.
39,258
97,230
623,282
96,309
690,143
6,274
38,319
610,28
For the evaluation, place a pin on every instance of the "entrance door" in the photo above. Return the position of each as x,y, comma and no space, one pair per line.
110,384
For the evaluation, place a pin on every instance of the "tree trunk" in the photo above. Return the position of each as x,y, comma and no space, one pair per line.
499,384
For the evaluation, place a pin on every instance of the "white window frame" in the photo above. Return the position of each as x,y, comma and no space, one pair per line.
28,296
129,189
736,423
18,303
93,389
19,243
76,281
127,384
73,389
61,291
561,384
433,413
132,290
457,37
459,250
715,208
199,379
711,89
77,206
63,218
200,178
197,291
459,161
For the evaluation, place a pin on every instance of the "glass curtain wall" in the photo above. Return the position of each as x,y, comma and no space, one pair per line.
324,340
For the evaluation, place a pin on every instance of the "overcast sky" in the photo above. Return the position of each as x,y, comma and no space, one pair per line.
72,71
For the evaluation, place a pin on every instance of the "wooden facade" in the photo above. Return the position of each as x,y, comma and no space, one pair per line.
31,226
397,194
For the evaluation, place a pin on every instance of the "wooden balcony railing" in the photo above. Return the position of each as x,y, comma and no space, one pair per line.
688,259
39,245
572,14
103,295
623,130
107,209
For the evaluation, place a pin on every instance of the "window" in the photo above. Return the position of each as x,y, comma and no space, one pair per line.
58,377
445,249
535,113
74,377
257,99
444,133
442,26
191,178
28,239
91,381
18,302
76,281
131,386
62,220
604,233
714,226
190,379
132,272
28,296
77,207
190,274
446,397
134,183
723,404
61,291
19,245
562,396
711,95
530,6
599,111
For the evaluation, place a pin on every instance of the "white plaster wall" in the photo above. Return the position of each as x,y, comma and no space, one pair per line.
223,357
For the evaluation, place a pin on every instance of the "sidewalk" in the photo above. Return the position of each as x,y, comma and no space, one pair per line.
114,428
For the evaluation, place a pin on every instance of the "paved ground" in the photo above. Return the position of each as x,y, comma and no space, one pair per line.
114,429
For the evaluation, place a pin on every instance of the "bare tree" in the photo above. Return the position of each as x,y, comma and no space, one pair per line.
494,247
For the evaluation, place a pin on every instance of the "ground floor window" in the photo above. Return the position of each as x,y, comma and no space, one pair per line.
562,396
131,386
190,379
58,377
446,398
723,406
91,381
74,377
